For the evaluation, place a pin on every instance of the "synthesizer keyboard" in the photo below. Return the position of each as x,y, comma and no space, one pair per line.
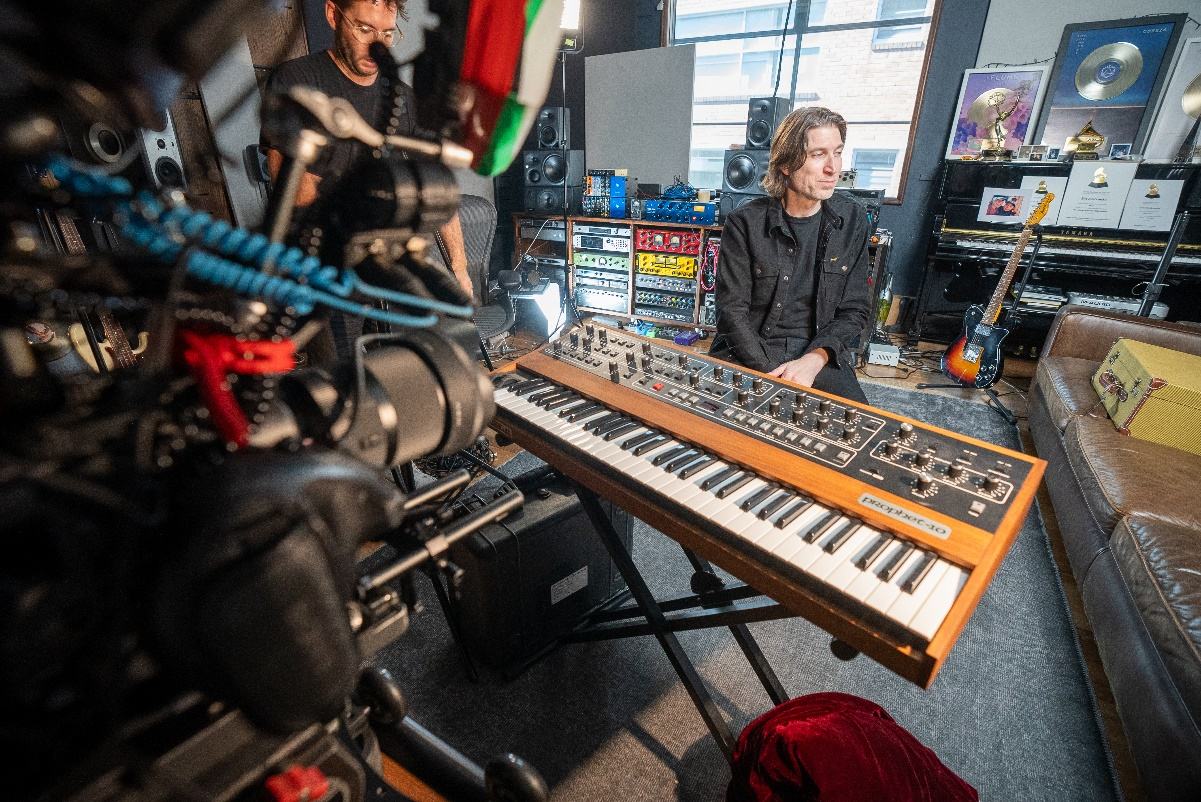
880,529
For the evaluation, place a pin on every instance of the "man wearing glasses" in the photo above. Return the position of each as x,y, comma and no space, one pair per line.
347,71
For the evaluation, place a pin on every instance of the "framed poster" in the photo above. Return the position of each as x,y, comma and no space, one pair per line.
984,95
1172,123
1110,73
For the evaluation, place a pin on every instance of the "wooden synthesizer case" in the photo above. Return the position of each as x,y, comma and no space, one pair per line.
882,530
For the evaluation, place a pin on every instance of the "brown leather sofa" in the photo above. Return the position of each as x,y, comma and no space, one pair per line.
1130,513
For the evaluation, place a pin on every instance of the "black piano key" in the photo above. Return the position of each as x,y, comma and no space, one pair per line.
563,401
893,564
822,526
529,386
670,454
793,513
869,555
541,399
700,465
924,564
680,462
776,503
735,485
719,477
634,442
649,445
608,427
624,428
758,497
603,420
568,411
835,543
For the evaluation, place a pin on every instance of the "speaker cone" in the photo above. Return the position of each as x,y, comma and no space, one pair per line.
547,138
105,144
168,173
740,172
554,169
759,135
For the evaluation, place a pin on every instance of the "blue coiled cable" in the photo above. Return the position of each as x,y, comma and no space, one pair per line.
149,225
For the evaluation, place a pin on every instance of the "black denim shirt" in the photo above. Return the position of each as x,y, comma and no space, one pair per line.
759,259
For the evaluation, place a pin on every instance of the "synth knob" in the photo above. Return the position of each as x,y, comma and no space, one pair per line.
954,471
988,484
798,414
891,449
630,358
694,378
757,384
575,339
646,348
774,407
802,399
923,483
736,378
719,372
820,425
591,330
921,460
614,371
823,406
604,337
851,415
683,360
646,363
849,433
587,346
903,431
558,346
744,398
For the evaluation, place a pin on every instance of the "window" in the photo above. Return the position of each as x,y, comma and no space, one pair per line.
843,58
898,37
873,168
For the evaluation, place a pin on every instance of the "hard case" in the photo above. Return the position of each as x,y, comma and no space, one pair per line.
1152,393
531,578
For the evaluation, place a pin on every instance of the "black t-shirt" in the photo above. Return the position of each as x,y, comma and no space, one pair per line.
798,320
373,103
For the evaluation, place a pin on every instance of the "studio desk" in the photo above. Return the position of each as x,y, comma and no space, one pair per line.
965,257
882,530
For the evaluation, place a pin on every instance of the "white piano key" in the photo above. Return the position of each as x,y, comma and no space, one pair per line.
846,572
907,604
868,580
888,592
827,562
930,615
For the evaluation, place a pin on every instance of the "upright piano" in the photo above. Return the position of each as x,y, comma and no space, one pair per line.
965,257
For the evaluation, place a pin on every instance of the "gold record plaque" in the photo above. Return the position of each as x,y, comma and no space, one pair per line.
1109,71
1190,101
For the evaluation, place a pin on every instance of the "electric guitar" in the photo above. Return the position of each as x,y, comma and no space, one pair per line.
974,360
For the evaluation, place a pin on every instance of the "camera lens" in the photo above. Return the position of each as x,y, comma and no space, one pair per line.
390,192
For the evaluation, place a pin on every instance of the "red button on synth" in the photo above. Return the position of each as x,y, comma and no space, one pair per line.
657,386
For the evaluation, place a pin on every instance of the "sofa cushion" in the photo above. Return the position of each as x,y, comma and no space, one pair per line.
1119,475
1161,564
1066,385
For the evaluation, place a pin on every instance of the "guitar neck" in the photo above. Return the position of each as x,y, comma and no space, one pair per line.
998,297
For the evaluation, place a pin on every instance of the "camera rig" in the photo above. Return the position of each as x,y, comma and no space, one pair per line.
182,611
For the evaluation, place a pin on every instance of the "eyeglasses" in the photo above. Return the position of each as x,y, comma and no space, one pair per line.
366,34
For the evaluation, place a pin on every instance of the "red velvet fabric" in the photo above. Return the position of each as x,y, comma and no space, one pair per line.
835,747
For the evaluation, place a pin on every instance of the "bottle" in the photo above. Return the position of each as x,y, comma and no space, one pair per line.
884,303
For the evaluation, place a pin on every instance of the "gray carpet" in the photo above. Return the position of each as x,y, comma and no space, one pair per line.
1010,712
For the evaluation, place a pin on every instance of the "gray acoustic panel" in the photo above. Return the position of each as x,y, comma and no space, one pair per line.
231,102
638,112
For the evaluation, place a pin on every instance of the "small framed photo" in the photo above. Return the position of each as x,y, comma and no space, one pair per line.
1119,150
1024,153
1038,153
1053,154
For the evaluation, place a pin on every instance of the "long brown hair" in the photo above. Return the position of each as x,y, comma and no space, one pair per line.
788,147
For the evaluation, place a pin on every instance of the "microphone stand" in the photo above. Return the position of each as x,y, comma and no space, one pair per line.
1156,284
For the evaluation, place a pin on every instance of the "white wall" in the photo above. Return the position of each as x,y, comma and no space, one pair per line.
1018,31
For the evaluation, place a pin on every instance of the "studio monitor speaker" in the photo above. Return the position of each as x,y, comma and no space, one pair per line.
731,201
553,127
549,168
549,200
764,115
161,156
744,171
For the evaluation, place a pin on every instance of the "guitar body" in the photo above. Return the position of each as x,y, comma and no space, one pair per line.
975,360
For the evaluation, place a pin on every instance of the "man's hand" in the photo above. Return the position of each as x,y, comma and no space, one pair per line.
803,370
460,269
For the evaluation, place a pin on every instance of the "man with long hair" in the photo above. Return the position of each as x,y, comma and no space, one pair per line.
792,292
